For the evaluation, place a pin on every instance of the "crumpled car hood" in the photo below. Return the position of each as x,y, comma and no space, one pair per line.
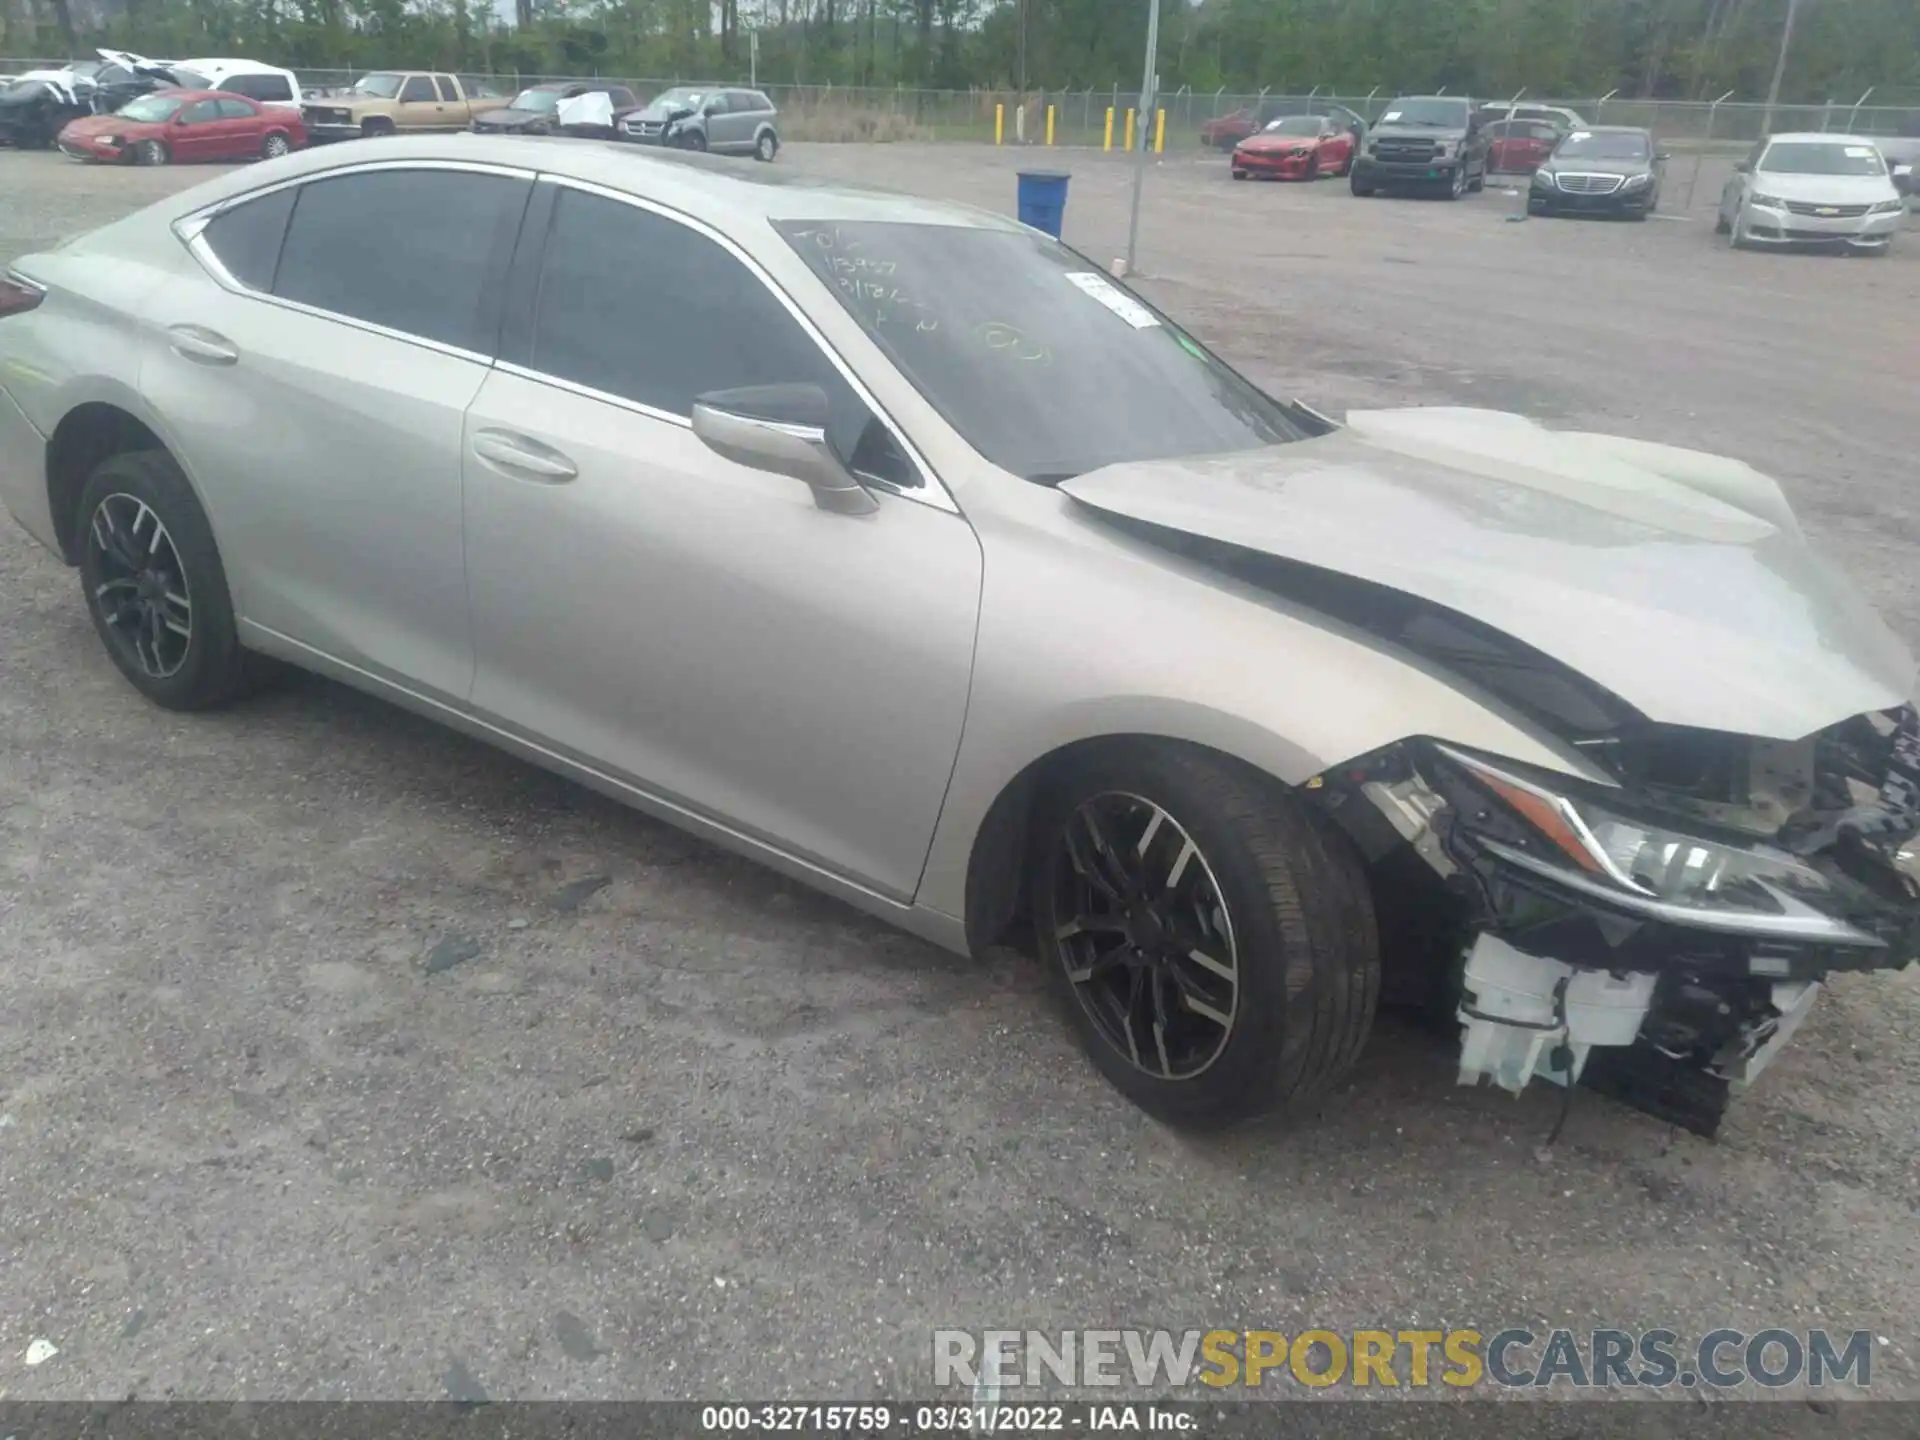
1678,580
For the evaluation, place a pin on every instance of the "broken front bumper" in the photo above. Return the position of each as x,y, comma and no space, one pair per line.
1585,935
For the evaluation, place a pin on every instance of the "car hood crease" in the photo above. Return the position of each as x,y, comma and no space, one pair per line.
1677,580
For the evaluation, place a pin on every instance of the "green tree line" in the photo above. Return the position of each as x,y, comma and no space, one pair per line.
1680,49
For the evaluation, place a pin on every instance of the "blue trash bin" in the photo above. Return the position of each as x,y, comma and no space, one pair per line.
1043,200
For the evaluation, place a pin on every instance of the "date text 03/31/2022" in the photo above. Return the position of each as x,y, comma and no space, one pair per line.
975,1419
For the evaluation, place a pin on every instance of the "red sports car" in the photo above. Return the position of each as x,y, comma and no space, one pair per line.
1520,147
1297,147
171,125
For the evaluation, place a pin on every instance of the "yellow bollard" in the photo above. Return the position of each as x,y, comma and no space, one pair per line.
999,123
1129,129
1049,124
1108,144
1159,131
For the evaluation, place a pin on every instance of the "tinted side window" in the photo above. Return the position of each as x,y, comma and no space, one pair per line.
621,96
247,238
418,88
420,251
235,110
260,87
447,90
640,306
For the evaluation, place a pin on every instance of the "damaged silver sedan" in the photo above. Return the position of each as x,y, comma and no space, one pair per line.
893,545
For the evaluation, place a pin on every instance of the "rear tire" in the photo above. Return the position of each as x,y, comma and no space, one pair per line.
150,571
1478,183
1268,892
274,146
151,152
766,147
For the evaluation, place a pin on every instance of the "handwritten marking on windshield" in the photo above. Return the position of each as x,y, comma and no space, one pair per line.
1009,340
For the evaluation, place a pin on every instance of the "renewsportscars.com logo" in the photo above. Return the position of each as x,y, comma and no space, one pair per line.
1010,1360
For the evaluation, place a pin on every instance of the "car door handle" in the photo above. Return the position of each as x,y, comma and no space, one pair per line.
522,458
202,346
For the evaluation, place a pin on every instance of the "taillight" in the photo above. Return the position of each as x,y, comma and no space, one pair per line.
17,297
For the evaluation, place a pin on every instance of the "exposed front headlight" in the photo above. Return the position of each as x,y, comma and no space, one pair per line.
1888,207
1634,182
1649,867
1772,202
1543,179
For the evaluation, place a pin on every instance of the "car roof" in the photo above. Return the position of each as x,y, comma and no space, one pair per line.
731,194
1616,130
1821,137
215,63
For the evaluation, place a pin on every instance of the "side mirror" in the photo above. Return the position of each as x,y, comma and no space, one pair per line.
711,108
1742,167
1663,155
781,429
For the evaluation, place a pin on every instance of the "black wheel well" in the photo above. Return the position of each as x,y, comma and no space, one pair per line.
996,898
87,435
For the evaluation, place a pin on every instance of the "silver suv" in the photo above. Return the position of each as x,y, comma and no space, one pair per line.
701,117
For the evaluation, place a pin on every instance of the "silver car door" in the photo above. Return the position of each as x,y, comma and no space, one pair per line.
318,400
690,625
740,120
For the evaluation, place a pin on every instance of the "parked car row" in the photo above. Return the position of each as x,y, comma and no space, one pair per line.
1842,190
232,109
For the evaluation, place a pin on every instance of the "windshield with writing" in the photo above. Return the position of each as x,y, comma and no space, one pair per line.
150,109
1604,147
681,100
379,87
1043,365
540,100
1818,158
1447,114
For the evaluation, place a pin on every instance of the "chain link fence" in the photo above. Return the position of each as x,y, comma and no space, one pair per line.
1081,117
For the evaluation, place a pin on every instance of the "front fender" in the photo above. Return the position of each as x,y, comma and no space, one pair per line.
1086,632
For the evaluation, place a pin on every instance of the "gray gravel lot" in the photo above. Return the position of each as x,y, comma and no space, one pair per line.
343,1057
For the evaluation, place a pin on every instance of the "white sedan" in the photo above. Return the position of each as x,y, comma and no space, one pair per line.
1812,190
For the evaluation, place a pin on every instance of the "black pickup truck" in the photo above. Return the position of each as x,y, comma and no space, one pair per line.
1424,142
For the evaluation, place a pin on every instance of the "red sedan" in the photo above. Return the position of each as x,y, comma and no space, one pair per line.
171,125
1520,147
1298,147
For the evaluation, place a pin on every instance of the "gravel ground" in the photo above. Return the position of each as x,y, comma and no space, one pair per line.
342,1057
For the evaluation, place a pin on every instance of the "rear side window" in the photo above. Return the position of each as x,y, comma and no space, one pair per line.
419,251
259,87
246,239
447,89
235,110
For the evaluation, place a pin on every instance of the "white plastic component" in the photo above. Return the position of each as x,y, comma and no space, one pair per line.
1509,1021
1793,1003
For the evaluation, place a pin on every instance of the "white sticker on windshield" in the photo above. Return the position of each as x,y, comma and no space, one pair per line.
1860,152
1581,135
1119,302
1389,117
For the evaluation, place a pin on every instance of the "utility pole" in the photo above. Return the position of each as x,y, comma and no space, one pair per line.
1020,19
1147,88
1779,67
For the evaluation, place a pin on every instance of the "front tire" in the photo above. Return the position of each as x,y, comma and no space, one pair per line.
376,127
151,152
1457,182
1313,168
154,584
766,147
1211,939
1356,185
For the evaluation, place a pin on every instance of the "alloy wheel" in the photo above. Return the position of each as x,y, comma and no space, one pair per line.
275,147
1143,932
142,593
